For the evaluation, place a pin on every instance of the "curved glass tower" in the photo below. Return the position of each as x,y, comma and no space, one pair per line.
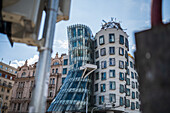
73,93
80,45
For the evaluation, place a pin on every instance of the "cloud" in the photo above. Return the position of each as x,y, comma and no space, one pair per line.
133,47
16,63
61,44
166,21
144,7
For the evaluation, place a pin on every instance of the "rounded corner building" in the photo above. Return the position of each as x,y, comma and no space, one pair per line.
112,81
73,95
111,57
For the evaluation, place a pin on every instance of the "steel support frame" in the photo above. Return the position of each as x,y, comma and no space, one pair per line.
38,102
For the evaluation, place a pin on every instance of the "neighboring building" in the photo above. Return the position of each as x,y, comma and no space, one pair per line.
7,76
72,96
25,83
65,67
111,91
132,102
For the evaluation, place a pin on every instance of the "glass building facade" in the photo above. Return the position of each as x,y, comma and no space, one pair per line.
73,93
80,45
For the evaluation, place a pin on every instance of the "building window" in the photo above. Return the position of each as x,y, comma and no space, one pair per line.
111,50
132,106
126,55
121,39
111,73
56,63
96,87
56,70
102,87
2,89
136,77
65,61
112,85
111,38
53,81
97,54
112,98
137,94
23,74
121,76
64,70
126,43
52,70
121,64
101,99
97,76
103,64
18,106
112,61
28,106
51,94
132,75
121,101
127,92
0,74
121,51
63,80
8,90
6,68
1,66
133,95
94,99
137,105
127,104
74,43
80,32
131,64
103,51
128,71
95,43
133,85
97,63
101,40
30,94
121,90
137,85
6,76
33,73
127,81
103,76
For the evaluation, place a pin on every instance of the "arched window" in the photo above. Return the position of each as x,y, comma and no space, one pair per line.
23,74
56,63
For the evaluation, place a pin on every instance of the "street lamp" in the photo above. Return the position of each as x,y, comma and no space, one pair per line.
1,104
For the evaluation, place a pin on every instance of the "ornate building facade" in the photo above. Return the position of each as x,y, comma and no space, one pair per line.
7,76
25,82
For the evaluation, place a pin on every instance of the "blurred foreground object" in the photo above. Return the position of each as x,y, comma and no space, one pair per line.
20,19
153,63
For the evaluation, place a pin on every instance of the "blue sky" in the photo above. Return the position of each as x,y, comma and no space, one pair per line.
134,15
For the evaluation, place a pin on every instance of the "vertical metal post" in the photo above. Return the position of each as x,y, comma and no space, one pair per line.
38,102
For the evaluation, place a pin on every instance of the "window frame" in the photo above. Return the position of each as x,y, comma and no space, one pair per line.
101,38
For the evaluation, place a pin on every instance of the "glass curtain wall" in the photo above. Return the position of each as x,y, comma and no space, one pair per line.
73,93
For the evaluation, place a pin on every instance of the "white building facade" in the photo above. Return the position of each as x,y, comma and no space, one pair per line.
111,58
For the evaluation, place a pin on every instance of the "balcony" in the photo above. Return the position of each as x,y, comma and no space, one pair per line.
51,85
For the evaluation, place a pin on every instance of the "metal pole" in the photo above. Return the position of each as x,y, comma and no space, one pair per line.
38,102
